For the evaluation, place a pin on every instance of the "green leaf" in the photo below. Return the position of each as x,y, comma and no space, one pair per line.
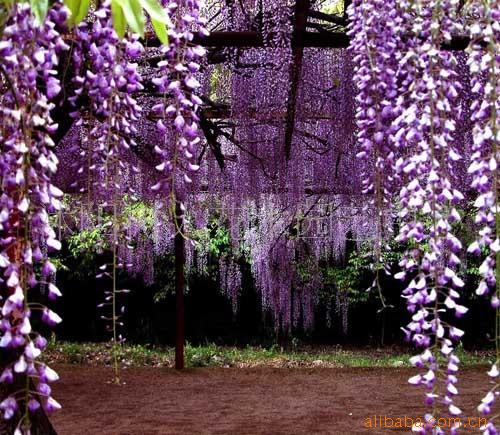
334,7
39,8
155,10
73,6
134,15
160,30
79,10
119,22
7,3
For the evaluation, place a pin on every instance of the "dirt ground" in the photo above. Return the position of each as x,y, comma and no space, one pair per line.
158,401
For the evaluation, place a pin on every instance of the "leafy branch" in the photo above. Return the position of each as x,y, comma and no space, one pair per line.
126,14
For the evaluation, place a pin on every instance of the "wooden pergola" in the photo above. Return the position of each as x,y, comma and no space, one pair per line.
311,29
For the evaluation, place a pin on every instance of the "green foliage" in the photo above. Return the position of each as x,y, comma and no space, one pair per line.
160,30
88,243
211,355
333,7
159,18
140,211
125,13
58,263
213,241
219,240
215,79
79,10
348,278
133,13
99,354
39,8
118,17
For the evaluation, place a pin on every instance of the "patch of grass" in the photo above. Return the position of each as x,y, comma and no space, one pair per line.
211,355
100,354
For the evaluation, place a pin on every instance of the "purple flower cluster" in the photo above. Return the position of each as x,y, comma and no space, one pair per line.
277,26
407,95
105,85
138,253
484,64
230,280
429,203
178,112
375,43
28,59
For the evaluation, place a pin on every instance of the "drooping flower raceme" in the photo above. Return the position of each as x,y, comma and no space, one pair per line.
178,112
484,64
429,198
107,86
28,59
375,43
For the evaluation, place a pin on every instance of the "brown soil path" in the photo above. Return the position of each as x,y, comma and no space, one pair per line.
239,401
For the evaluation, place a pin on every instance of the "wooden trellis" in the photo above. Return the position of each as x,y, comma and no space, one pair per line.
310,28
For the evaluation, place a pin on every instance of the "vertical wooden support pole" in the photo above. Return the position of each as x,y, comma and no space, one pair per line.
180,259
302,8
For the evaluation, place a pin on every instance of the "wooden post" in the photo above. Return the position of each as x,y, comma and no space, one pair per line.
179,287
301,11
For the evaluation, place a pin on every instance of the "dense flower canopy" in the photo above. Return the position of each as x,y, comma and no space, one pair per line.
297,144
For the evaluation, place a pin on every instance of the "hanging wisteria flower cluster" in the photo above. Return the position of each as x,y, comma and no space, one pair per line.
28,59
426,156
375,43
107,84
410,151
277,23
179,108
484,64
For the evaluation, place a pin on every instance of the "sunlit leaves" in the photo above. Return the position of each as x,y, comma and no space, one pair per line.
119,22
160,30
78,9
39,8
333,7
155,10
133,13
125,13
134,16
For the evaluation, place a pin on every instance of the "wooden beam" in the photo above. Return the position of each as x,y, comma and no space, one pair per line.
252,39
300,22
329,18
308,190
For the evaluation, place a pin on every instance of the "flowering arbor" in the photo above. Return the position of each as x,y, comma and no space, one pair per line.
295,124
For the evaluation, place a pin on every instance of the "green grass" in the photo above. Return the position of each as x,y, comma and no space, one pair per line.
221,356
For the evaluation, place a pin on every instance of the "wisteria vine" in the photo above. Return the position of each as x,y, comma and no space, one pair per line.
29,53
108,84
407,101
375,44
484,64
179,107
423,134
